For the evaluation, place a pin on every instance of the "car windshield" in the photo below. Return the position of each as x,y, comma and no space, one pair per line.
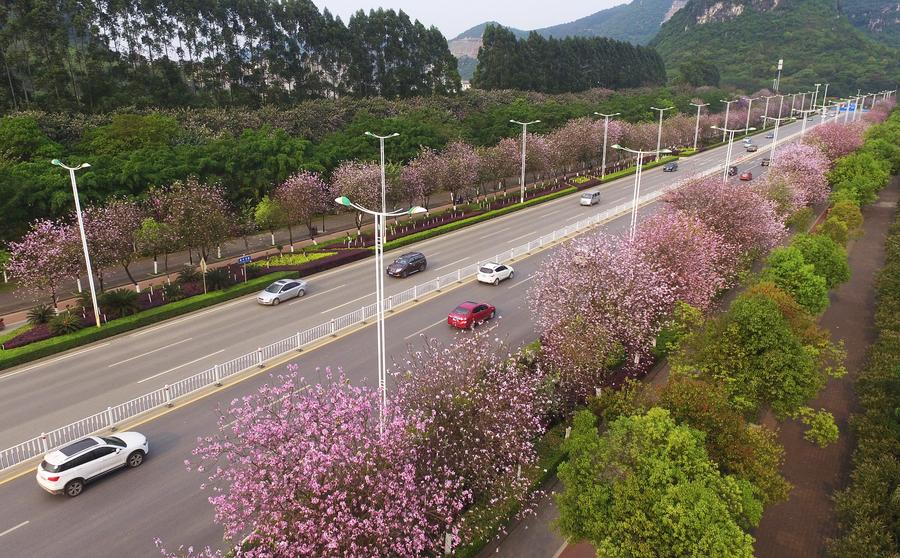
486,270
273,288
49,467
461,311
587,195
113,441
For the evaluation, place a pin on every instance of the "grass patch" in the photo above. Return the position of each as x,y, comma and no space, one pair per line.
6,335
54,345
289,259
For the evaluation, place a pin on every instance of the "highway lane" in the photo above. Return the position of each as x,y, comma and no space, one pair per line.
162,499
50,393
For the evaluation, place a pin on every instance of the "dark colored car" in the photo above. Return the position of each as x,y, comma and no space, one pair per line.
770,135
765,162
746,175
469,314
407,264
751,148
670,167
732,170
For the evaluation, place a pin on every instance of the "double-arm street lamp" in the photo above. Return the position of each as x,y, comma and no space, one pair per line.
606,118
84,246
805,113
524,126
380,233
775,133
727,108
728,151
749,109
636,193
815,96
824,104
697,125
659,132
766,111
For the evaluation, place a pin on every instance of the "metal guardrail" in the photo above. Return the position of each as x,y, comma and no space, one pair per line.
169,393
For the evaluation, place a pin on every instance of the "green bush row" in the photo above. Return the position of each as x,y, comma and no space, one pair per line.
54,345
449,227
631,170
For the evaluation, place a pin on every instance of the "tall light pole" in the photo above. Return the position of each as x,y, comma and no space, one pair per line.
606,118
803,100
749,109
793,99
730,146
524,126
778,79
380,218
775,133
84,246
815,96
697,125
727,107
636,193
823,103
659,132
804,113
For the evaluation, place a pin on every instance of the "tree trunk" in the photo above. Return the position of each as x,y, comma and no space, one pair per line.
128,273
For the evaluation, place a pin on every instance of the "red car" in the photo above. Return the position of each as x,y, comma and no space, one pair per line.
469,314
746,175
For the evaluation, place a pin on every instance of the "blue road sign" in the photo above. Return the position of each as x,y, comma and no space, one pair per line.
245,260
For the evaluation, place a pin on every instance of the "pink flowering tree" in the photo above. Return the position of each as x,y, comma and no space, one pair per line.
608,290
641,135
736,212
423,177
361,182
808,166
198,213
486,411
579,141
499,161
305,470
697,261
462,162
301,197
538,154
112,233
836,139
44,258
778,186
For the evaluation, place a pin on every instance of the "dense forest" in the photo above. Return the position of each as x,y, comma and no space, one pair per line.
563,65
249,151
98,55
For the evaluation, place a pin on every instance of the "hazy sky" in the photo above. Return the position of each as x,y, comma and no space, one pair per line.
455,16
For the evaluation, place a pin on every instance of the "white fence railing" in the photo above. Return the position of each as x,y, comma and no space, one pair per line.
111,417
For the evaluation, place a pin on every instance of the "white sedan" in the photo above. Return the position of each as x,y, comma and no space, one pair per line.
66,470
281,290
494,272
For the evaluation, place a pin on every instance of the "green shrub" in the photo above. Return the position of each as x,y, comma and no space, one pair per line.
848,212
188,274
791,273
861,173
835,229
119,302
173,292
65,322
54,345
827,257
40,314
217,279
290,259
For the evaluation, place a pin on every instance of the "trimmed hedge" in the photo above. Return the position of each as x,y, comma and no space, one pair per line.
449,227
633,169
54,345
342,257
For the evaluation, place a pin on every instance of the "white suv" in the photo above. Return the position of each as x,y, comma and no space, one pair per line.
66,470
494,273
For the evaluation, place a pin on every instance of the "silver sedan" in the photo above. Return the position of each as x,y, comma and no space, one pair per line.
282,290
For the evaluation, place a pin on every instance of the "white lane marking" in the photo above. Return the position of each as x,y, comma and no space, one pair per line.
451,263
10,530
348,302
573,217
553,212
317,294
523,281
150,352
424,329
180,366
531,234
11,374
193,315
495,233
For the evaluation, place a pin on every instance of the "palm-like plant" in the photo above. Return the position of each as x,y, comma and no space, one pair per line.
40,314
65,322
120,302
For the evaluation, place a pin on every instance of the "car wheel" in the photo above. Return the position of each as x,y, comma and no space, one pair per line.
512,274
405,274
301,292
491,317
74,487
276,302
471,325
135,459
496,281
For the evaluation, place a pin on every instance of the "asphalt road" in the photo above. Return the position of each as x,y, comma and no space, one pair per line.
125,512
50,393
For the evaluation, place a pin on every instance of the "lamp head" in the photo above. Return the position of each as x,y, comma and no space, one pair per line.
343,200
84,166
56,162
616,146
417,209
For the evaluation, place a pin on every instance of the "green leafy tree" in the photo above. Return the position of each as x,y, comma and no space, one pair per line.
828,258
787,268
698,72
647,487
269,216
862,174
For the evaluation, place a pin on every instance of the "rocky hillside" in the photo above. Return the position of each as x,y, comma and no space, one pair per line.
879,18
745,38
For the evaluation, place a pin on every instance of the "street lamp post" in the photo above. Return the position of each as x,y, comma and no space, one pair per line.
728,151
606,118
775,133
697,125
793,100
84,246
815,96
824,101
778,79
524,126
380,218
727,107
804,113
659,132
636,193
749,109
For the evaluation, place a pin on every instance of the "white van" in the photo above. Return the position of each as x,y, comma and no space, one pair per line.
590,198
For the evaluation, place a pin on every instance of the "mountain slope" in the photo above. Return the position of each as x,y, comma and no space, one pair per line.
879,18
745,39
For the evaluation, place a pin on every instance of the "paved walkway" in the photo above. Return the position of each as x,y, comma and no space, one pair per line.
806,519
799,527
